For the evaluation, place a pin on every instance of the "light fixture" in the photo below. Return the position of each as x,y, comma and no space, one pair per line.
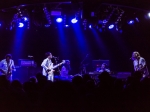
59,20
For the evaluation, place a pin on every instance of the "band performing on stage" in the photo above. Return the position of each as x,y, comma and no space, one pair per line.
7,66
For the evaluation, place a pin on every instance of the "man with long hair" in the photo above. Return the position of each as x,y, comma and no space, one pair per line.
139,63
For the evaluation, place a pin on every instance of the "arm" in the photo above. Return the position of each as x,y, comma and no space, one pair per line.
135,66
142,64
107,70
1,64
13,66
44,64
1,67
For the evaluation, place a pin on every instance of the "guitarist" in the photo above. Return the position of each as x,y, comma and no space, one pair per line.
47,65
7,66
139,64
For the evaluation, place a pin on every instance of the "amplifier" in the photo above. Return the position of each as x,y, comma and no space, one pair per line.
26,62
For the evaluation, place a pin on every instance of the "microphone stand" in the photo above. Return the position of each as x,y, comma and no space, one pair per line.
29,68
82,66
56,61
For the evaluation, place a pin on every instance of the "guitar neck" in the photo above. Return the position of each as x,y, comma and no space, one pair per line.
56,66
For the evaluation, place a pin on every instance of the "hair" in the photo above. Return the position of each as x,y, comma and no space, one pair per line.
138,54
47,54
8,56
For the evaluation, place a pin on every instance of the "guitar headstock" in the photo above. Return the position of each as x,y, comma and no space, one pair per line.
63,61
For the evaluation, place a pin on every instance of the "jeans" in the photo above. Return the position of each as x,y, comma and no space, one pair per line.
50,77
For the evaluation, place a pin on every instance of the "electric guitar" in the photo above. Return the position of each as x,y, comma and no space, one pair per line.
51,68
140,67
6,73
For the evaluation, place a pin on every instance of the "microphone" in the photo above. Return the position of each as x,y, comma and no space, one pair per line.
30,56
131,58
55,57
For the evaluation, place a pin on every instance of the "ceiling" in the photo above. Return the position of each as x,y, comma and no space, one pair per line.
134,7
142,4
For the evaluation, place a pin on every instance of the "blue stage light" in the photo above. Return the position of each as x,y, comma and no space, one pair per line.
74,20
20,25
131,22
149,14
111,26
25,19
59,20
66,25
90,26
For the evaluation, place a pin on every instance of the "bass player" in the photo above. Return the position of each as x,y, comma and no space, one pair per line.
7,66
139,63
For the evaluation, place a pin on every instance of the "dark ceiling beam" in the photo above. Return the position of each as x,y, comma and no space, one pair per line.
137,4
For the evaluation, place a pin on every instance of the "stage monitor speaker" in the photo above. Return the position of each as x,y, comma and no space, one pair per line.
24,73
26,63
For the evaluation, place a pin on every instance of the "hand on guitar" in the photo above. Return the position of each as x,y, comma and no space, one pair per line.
1,70
48,70
8,73
14,70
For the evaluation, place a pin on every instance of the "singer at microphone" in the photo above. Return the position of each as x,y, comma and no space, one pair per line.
55,57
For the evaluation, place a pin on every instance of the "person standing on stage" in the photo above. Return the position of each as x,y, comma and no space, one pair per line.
47,65
139,63
103,68
65,69
7,66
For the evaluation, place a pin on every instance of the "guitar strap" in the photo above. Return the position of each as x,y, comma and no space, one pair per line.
8,65
142,71
138,63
